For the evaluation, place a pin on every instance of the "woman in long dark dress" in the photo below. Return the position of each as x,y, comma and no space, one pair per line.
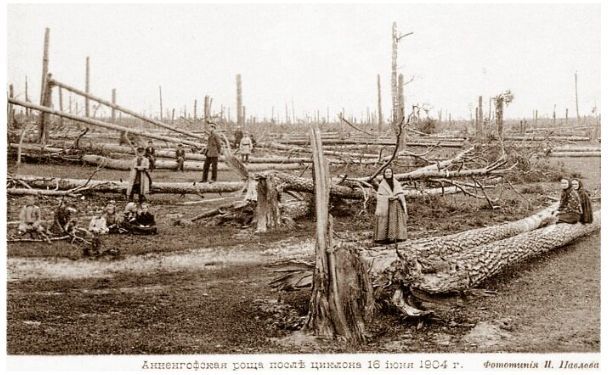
584,201
569,210
391,210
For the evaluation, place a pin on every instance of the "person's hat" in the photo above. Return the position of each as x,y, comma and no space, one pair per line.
140,149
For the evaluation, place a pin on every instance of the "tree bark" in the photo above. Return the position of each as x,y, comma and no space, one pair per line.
469,269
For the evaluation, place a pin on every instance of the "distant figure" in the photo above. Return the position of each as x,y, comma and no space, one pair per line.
569,210
30,220
149,153
238,137
139,179
180,158
245,147
584,201
212,152
391,210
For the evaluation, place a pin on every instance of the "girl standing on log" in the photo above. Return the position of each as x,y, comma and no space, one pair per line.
569,210
584,200
139,179
391,210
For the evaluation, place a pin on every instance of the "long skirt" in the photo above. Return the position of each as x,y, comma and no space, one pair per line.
569,218
391,227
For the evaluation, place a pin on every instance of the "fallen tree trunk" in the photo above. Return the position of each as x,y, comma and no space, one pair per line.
453,263
125,164
378,142
35,192
470,268
107,186
568,154
122,109
432,250
103,124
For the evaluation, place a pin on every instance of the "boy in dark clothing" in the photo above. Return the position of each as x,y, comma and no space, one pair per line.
145,221
149,153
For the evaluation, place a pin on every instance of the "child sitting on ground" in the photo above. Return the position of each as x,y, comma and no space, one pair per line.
145,221
97,227
30,220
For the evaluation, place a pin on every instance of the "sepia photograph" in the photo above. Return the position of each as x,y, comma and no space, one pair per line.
304,180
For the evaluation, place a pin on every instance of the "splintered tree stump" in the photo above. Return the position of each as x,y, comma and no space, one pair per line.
342,296
268,206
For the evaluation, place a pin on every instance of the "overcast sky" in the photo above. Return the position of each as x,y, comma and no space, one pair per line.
317,56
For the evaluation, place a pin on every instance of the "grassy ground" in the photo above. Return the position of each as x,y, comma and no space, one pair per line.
162,298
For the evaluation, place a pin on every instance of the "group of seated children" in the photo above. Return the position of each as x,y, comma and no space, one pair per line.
135,220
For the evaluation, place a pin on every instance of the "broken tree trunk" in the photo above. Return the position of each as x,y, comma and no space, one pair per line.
457,262
342,297
109,186
470,268
88,96
103,124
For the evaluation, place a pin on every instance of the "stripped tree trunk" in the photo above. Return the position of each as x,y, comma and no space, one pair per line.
342,296
239,109
160,105
87,86
393,76
43,128
499,115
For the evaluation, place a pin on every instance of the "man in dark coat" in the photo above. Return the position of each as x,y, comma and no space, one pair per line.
212,152
238,135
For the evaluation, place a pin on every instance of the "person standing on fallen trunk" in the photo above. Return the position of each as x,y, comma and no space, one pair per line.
180,158
584,201
569,210
212,152
391,210
139,179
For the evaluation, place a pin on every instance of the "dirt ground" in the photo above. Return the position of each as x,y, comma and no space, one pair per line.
203,289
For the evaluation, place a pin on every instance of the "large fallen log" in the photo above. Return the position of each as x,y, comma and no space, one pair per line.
404,273
570,154
432,250
470,268
125,164
107,186
380,142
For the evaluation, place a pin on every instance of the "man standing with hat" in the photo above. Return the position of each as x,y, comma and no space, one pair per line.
212,152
